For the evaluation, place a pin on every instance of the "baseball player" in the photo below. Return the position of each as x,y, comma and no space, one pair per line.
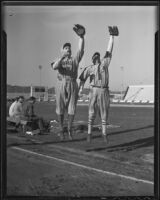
99,80
66,86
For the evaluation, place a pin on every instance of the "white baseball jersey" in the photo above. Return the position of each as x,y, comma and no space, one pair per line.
66,85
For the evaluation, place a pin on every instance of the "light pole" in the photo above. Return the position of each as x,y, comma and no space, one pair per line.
40,68
122,69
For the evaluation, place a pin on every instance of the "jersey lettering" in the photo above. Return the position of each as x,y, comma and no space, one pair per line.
67,64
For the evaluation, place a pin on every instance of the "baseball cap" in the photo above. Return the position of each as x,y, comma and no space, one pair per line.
32,98
67,44
95,54
20,97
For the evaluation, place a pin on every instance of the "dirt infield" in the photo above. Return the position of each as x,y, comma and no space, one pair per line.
42,165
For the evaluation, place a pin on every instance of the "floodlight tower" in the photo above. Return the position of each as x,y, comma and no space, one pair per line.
40,68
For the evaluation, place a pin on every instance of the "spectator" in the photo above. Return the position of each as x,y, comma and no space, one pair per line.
12,103
29,114
9,103
16,110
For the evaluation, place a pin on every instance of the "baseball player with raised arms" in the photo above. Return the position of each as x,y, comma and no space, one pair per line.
99,81
66,86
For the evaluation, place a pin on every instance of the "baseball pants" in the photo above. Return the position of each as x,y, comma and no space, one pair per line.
99,102
66,96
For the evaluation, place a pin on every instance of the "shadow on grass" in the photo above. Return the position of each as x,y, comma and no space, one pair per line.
129,146
136,144
131,130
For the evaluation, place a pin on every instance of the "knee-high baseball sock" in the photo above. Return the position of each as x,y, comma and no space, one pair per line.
90,124
89,135
104,129
61,119
70,121
89,128
104,133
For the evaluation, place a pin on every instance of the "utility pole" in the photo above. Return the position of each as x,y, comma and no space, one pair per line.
40,68
122,69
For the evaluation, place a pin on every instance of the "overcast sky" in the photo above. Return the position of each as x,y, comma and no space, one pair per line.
35,35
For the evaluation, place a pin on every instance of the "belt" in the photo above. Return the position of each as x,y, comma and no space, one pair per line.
64,78
97,86
68,79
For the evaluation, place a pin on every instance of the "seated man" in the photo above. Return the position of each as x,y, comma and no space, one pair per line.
16,110
9,103
11,106
15,114
38,122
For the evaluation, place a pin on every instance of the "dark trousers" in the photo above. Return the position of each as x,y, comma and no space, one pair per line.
38,123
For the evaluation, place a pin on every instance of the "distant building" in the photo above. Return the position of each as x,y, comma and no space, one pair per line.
139,93
39,92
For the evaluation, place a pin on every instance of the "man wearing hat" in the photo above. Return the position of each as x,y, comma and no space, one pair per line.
29,115
66,86
99,90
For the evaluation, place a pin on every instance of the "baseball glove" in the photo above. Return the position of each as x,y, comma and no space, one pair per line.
79,29
113,30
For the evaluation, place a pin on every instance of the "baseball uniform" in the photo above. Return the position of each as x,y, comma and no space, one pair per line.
99,92
66,85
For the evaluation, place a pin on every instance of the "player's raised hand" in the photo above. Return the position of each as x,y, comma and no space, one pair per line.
79,30
113,30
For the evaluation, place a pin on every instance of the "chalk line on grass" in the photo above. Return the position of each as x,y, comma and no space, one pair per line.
84,166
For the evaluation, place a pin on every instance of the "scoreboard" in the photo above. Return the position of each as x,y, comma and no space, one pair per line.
39,92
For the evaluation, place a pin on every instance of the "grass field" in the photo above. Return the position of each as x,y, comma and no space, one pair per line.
42,165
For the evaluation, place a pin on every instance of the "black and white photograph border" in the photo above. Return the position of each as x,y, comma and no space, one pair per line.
65,161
